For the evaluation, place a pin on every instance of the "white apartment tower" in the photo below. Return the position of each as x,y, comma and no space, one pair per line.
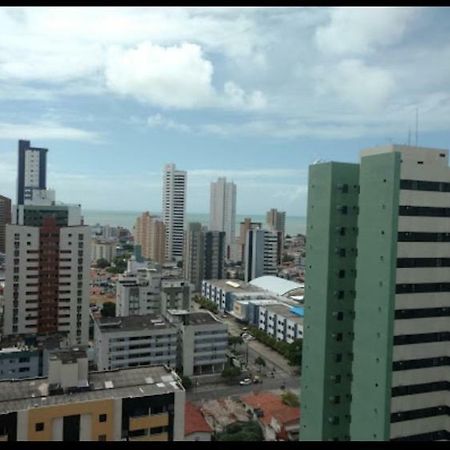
222,211
174,210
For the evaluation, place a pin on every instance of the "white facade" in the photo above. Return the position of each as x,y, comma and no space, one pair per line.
174,210
278,322
22,298
134,341
102,250
222,210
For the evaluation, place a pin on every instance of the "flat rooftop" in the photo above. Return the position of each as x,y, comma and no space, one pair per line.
230,286
284,311
17,395
23,342
202,318
133,323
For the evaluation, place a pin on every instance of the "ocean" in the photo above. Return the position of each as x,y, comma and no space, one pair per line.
127,219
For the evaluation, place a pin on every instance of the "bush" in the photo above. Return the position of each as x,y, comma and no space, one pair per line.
290,399
241,431
102,263
186,382
207,304
231,372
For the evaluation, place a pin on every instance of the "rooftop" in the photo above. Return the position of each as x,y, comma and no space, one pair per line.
17,395
272,406
234,286
277,285
133,323
285,311
194,421
25,342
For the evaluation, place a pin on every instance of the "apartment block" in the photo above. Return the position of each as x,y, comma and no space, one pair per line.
150,234
374,356
5,218
103,250
146,340
70,404
282,322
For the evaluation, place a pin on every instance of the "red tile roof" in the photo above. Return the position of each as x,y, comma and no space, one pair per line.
272,406
194,422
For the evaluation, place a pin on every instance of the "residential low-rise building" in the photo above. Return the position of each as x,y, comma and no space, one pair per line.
196,428
134,341
175,294
279,422
204,341
70,404
102,249
282,322
248,310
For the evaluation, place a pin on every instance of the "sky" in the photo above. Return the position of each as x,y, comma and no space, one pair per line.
253,94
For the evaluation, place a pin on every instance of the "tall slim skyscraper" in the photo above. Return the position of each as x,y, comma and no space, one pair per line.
262,253
204,255
5,218
244,226
47,270
375,354
174,210
32,171
222,210
150,234
276,220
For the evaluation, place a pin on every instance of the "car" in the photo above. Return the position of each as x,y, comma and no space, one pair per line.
245,382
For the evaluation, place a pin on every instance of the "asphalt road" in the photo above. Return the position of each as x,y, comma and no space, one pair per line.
210,391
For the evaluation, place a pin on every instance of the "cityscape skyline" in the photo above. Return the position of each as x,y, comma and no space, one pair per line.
257,102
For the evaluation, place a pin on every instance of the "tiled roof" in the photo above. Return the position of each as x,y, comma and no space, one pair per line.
272,406
194,422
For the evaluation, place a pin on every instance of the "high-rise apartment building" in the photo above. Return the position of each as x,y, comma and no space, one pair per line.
376,326
244,226
204,255
32,171
174,210
262,253
5,218
150,234
47,270
222,211
276,220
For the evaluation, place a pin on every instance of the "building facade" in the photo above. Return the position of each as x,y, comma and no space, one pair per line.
150,234
70,404
147,340
5,218
276,220
103,250
222,210
281,322
381,372
262,253
174,210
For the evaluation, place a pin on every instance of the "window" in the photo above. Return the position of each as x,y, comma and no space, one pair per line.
102,417
39,426
102,437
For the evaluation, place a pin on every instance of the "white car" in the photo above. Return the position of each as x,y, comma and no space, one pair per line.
245,382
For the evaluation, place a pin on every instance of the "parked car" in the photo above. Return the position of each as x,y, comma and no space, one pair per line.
245,382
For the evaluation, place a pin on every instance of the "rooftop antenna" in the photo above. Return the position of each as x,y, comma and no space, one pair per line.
409,136
417,126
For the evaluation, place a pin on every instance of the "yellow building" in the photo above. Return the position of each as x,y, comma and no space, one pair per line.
150,234
136,404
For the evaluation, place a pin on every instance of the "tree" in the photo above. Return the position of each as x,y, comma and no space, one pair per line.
102,263
290,399
260,362
186,382
231,372
241,431
108,309
235,340
294,353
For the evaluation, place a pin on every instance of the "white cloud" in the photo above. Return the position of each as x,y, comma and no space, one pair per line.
160,121
361,30
45,130
172,77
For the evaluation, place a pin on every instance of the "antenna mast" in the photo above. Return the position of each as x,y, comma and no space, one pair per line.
417,126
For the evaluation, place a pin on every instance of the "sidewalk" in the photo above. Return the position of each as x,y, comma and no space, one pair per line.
271,356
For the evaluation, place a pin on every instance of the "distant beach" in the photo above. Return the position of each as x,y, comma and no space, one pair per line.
294,224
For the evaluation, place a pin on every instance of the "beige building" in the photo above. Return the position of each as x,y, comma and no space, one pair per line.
136,404
150,234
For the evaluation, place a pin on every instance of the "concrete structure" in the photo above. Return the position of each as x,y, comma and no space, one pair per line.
32,171
131,341
248,310
376,326
282,322
175,294
174,210
245,226
138,293
276,220
204,341
204,255
262,253
27,356
279,286
150,234
196,428
138,404
222,210
5,218
102,250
